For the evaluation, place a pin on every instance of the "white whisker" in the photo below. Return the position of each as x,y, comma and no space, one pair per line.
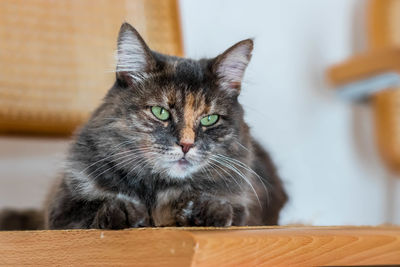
230,175
241,175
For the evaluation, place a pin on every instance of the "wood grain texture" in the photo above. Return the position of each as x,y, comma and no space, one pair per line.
92,247
235,246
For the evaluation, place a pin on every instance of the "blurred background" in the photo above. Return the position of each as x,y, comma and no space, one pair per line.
337,153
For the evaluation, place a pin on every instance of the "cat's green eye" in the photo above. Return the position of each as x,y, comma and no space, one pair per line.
209,120
160,113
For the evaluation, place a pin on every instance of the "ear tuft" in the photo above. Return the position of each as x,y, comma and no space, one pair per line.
231,65
133,55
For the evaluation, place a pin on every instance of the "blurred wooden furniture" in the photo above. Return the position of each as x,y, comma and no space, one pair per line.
236,246
57,57
379,68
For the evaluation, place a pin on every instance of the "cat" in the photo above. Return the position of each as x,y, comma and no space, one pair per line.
168,146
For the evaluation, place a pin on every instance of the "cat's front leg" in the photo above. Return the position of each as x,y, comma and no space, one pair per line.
120,214
68,210
208,210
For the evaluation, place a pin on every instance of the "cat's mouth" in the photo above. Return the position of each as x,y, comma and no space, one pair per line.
181,168
181,165
183,162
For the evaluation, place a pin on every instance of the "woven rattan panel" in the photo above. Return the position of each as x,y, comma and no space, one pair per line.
57,57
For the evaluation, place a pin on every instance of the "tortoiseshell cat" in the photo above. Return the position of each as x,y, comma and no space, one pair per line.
168,147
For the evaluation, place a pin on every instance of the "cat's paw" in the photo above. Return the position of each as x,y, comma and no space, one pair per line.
204,211
119,214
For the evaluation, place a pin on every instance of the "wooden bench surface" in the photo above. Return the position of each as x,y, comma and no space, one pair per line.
235,246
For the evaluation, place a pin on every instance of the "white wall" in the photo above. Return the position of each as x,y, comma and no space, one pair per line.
323,146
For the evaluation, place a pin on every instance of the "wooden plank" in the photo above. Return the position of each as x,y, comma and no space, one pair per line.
304,246
93,247
235,246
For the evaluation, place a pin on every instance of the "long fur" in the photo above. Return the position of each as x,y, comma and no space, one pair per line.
126,168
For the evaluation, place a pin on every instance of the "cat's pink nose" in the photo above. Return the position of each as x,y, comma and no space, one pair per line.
186,146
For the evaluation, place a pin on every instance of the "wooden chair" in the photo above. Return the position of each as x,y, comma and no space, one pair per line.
57,61
376,74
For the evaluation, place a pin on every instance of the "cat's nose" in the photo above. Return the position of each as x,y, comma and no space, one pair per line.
186,146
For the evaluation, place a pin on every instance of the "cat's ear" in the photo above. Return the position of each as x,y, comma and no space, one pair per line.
229,67
134,57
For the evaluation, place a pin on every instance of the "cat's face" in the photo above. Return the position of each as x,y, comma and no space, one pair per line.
181,126
174,114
